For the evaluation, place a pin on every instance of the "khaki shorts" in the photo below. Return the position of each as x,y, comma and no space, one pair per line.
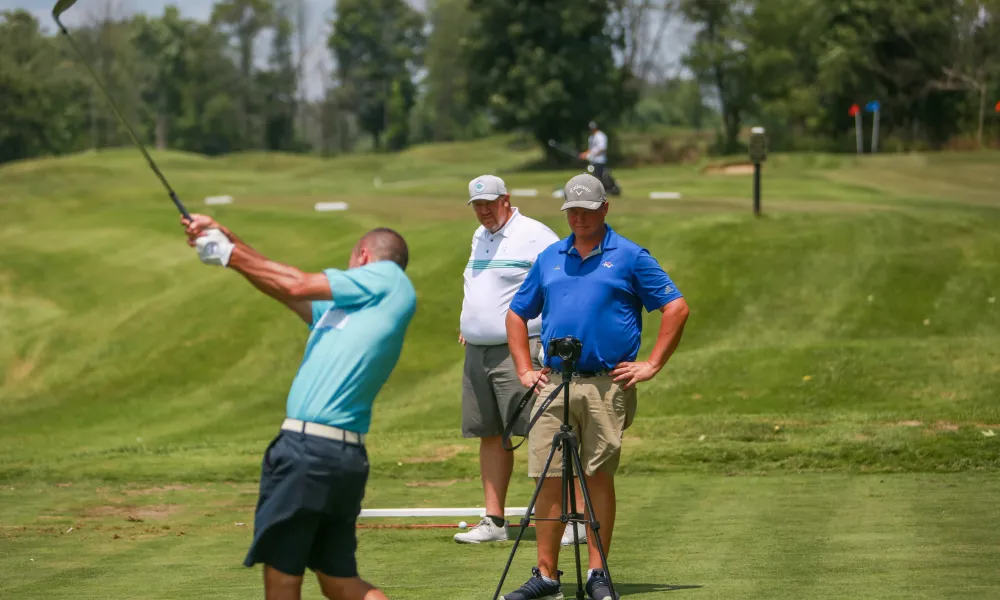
599,411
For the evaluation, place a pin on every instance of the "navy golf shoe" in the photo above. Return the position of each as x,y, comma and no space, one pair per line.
536,588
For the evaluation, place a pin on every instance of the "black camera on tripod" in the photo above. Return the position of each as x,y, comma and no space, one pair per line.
567,348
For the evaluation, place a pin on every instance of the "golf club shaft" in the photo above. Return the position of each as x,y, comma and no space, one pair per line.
567,151
135,138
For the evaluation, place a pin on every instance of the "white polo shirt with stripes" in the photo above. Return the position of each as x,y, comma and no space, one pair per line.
498,264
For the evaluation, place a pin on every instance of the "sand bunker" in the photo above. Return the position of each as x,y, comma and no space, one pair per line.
729,169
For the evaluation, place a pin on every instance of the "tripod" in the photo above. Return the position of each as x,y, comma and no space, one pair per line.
567,440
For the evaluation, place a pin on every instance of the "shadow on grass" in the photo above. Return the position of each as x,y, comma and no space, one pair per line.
622,588
529,534
626,589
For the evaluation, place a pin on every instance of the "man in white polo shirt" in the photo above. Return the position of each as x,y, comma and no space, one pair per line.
503,249
597,155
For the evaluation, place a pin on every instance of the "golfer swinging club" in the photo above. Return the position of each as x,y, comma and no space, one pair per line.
597,155
314,472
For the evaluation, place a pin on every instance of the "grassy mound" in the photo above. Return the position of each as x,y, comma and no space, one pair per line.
852,328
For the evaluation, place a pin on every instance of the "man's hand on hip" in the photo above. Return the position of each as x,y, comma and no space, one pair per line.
634,372
534,379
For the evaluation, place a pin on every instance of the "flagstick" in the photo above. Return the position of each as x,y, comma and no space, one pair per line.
875,132
859,133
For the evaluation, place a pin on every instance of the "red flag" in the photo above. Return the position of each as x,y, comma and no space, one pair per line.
998,106
855,109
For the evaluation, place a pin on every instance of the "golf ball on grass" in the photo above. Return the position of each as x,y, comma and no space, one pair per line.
462,525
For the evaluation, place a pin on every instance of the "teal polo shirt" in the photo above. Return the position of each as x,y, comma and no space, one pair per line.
354,343
597,299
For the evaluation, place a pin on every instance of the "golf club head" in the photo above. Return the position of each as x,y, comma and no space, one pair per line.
61,7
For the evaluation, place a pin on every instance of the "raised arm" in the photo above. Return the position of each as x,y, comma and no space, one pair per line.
292,287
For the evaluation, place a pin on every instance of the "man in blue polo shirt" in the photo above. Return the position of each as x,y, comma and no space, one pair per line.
592,286
313,474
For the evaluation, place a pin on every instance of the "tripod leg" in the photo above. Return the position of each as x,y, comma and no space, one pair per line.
569,492
595,526
527,515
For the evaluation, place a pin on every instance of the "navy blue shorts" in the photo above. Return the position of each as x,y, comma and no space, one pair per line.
311,490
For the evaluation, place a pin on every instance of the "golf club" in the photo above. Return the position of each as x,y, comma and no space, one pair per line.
569,152
565,150
61,7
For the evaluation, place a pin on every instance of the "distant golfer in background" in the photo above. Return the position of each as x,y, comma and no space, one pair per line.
314,472
504,247
597,156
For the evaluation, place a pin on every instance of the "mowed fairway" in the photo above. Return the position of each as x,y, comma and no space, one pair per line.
829,427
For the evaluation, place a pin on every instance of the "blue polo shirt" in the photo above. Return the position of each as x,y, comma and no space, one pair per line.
354,343
597,299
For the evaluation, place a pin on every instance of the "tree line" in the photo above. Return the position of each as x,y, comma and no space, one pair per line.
393,76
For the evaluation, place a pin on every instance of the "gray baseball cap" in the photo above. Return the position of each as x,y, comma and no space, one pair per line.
584,191
486,187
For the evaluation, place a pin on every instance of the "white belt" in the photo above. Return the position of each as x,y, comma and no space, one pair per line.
324,431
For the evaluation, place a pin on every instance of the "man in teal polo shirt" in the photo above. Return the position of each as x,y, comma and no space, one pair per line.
592,286
313,474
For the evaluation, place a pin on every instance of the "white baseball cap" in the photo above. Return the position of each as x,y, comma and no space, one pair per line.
584,191
486,187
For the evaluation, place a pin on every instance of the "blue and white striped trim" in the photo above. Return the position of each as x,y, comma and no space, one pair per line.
480,265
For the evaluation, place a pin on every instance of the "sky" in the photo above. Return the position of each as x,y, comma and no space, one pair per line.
318,63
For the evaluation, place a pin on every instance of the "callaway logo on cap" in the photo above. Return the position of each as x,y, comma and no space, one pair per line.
584,191
486,187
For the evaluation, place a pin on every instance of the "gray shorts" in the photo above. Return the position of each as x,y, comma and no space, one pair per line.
491,390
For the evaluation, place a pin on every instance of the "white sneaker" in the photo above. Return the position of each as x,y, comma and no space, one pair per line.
486,531
567,538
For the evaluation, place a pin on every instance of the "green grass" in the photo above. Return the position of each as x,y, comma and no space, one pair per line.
823,430
801,536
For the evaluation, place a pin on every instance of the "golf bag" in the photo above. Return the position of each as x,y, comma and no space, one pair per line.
603,173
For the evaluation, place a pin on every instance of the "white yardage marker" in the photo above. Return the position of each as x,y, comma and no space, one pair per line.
330,206
664,195
218,200
524,192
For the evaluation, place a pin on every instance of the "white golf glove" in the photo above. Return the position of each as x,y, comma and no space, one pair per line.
214,248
